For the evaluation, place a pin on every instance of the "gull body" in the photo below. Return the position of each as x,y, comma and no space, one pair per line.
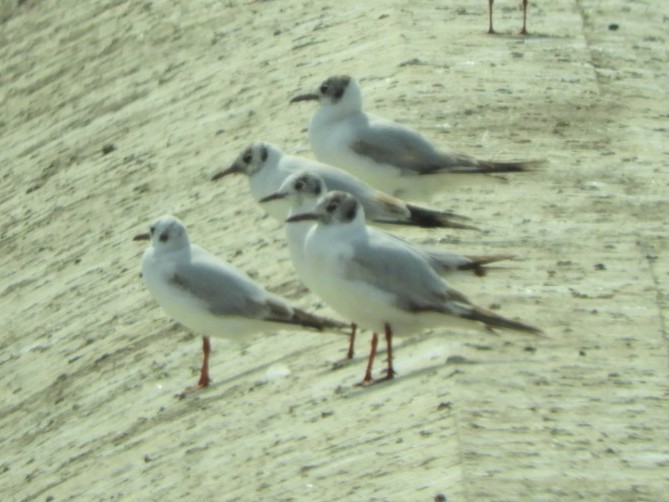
380,282
389,156
267,167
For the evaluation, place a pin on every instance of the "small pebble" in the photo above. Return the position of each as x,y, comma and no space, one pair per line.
108,148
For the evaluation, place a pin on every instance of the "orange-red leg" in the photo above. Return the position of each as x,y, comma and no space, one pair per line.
389,347
370,362
204,370
351,341
204,380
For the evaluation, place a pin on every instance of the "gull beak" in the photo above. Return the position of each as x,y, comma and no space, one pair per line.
234,168
142,237
306,97
302,217
274,196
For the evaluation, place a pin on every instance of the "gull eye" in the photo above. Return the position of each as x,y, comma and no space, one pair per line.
247,158
164,236
324,88
152,229
299,185
332,207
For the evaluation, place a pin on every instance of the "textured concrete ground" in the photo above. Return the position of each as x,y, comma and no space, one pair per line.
89,363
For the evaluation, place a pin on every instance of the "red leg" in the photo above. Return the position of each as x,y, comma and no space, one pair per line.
370,362
204,371
523,30
351,343
389,347
490,30
204,380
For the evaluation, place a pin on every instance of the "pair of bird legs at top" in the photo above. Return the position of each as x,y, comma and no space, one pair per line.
523,30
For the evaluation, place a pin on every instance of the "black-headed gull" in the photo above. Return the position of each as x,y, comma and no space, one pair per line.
211,297
267,167
385,154
380,282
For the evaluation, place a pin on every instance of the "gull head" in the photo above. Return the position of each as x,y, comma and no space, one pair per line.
166,233
299,188
334,208
249,162
341,91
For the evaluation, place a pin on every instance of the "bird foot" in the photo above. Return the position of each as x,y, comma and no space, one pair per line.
366,382
202,384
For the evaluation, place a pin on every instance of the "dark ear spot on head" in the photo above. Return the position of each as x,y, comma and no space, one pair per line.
351,211
164,236
342,84
318,190
263,154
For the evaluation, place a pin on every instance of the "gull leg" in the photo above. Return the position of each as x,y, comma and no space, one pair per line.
351,343
204,380
349,354
389,346
204,371
370,362
523,30
490,30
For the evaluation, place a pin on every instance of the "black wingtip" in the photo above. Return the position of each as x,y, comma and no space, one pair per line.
428,218
511,167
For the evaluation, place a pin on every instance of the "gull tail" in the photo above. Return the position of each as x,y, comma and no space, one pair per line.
490,167
428,218
492,320
307,320
446,262
477,263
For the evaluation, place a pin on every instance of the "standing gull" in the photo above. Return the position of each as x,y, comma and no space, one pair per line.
380,282
303,189
209,296
389,156
267,167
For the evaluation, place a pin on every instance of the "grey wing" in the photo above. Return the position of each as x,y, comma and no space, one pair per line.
226,291
398,269
390,143
377,205
441,261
